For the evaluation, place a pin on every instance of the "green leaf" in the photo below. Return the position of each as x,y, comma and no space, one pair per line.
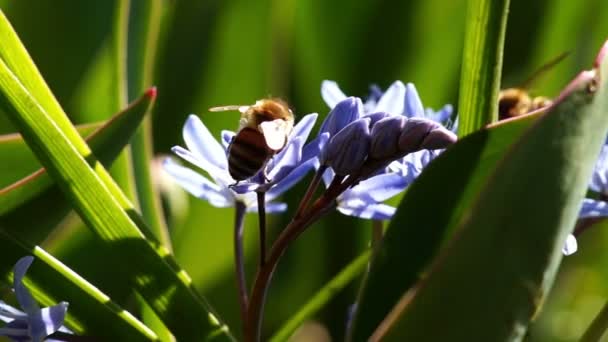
106,142
437,199
90,310
481,64
502,262
18,160
151,270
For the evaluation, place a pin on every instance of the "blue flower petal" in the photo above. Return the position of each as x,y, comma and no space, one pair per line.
361,209
291,179
287,160
345,112
201,143
378,188
16,331
211,169
25,299
331,93
413,104
227,138
392,101
198,185
599,179
570,246
328,176
47,321
593,208
9,313
304,126
270,207
442,116
314,148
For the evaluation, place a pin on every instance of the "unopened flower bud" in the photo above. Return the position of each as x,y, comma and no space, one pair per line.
385,137
439,138
414,132
375,117
345,112
347,150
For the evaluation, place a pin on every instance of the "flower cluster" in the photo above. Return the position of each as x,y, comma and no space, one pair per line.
390,132
33,323
385,143
403,139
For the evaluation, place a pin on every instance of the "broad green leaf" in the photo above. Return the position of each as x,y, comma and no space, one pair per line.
481,64
106,142
18,160
90,310
151,269
438,198
503,259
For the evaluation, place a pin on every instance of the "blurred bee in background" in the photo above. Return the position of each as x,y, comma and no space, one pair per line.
264,129
517,101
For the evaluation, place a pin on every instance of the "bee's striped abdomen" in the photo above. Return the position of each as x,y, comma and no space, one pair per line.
247,154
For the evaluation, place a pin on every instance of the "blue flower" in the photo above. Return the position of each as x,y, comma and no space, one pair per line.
284,169
365,199
598,184
33,323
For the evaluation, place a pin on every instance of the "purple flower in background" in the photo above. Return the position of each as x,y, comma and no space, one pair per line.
33,323
384,113
594,208
284,169
599,184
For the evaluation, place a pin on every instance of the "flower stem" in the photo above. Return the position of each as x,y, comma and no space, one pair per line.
377,231
239,260
309,192
262,225
296,227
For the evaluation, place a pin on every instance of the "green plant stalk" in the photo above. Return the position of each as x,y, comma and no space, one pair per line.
144,26
353,270
142,55
102,212
481,64
598,327
121,169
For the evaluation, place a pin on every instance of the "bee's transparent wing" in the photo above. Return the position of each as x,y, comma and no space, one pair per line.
275,133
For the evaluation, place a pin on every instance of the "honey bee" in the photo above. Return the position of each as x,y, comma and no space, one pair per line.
264,129
513,102
517,101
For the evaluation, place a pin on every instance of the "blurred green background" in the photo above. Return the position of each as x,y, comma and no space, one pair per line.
233,52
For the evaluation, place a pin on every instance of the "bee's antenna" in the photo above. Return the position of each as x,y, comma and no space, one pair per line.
544,68
241,109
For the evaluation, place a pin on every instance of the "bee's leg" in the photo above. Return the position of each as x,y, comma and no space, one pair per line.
265,170
233,185
266,179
